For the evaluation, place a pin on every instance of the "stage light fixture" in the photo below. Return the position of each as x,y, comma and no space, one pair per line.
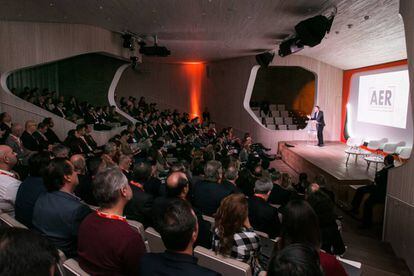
309,32
290,46
128,41
155,50
264,59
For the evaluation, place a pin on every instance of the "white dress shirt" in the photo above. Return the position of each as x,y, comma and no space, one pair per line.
8,190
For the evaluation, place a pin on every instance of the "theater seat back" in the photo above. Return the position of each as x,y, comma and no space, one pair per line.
220,264
156,245
139,227
72,268
11,222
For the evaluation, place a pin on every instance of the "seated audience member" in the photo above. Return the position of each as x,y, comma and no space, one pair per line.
88,137
84,189
23,252
177,186
125,146
377,192
107,244
303,183
111,154
233,235
125,163
31,188
322,183
60,151
262,216
178,229
295,260
230,176
5,126
153,185
209,192
85,148
324,208
28,139
140,206
58,213
16,144
50,134
300,225
40,136
9,184
279,195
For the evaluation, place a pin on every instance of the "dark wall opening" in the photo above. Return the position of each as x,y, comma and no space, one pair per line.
293,86
86,77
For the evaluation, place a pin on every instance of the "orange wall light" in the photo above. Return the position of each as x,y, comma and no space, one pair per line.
194,72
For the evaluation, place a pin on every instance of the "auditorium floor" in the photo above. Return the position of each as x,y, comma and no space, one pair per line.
364,246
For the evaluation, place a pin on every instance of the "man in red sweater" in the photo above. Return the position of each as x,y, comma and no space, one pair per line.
107,244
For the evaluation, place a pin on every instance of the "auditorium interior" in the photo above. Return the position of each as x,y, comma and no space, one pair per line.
156,137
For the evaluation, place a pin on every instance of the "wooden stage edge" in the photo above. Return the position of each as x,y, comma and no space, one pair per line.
329,161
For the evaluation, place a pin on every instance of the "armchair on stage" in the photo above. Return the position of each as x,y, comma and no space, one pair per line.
376,150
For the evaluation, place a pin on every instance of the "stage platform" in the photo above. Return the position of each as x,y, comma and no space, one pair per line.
329,161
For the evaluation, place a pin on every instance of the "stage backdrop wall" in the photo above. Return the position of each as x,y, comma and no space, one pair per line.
399,216
27,44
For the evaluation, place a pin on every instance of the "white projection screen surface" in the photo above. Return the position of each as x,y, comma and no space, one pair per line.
374,116
383,99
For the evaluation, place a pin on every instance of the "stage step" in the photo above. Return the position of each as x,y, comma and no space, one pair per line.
377,257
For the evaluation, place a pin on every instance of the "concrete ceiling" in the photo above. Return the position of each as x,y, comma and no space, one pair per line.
206,30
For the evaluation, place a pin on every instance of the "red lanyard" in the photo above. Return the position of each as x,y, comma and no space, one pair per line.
136,184
109,216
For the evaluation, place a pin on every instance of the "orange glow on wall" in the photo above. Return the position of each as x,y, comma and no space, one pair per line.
194,72
305,99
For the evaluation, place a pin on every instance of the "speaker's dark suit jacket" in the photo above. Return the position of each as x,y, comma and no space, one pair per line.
319,119
263,217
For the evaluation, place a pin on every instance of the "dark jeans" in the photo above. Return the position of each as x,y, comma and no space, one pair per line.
360,192
320,134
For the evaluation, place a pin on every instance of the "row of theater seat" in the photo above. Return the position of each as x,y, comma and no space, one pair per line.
154,244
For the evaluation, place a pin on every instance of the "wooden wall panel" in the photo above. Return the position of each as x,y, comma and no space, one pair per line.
399,220
26,44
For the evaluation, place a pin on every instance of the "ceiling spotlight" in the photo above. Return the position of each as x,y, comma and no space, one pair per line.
128,42
290,46
159,51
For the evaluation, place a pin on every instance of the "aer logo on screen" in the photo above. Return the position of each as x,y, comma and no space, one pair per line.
382,99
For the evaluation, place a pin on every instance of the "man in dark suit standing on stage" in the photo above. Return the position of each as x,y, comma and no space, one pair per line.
320,124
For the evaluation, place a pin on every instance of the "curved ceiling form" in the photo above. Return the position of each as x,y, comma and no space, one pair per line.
363,32
275,101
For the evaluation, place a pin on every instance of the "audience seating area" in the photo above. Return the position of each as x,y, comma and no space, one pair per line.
102,117
278,118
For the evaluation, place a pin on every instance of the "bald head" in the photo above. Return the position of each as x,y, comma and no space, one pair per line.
177,185
7,158
79,163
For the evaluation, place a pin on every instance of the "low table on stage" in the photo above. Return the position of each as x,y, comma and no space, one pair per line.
356,152
377,159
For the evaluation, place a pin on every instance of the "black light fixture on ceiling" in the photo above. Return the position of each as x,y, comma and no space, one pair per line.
264,59
309,32
128,41
155,50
